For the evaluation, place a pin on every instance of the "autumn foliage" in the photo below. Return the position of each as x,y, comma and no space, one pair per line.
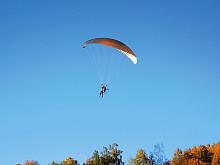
201,155
32,162
197,155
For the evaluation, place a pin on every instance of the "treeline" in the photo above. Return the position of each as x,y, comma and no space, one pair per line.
200,155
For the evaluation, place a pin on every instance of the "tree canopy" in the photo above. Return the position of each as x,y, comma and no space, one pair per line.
112,155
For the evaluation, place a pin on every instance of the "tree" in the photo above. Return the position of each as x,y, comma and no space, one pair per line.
69,161
54,163
177,158
216,154
159,156
31,162
151,159
94,160
109,156
141,158
200,155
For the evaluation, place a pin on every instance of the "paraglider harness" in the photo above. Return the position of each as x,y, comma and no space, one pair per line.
104,89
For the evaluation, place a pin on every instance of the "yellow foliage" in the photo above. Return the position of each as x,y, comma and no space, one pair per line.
69,161
141,158
200,155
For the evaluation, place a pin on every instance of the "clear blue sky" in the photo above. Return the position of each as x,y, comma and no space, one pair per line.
49,104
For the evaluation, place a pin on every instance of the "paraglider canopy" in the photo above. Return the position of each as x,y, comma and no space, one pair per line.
115,44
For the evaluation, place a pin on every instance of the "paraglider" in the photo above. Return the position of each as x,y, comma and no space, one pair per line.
103,90
115,44
118,45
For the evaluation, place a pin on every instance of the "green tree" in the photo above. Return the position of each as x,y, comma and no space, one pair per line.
54,163
109,156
